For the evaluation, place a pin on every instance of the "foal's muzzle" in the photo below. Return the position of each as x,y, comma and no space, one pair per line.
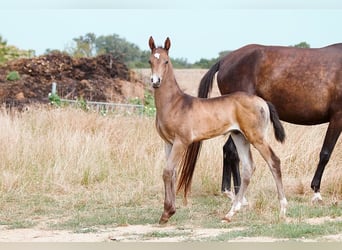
155,80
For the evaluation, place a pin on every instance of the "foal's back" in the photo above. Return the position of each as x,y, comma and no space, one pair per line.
240,110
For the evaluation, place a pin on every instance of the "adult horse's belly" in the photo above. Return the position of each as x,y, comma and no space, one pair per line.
299,104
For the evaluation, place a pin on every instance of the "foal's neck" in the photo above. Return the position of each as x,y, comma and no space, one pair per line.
169,90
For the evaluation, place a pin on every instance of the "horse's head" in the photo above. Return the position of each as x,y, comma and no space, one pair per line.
159,60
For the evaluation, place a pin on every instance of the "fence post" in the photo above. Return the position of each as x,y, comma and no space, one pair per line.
54,87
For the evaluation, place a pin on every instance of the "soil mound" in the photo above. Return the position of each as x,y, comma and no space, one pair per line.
102,78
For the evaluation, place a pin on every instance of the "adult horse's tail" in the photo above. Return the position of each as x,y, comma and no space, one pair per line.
279,131
206,83
189,160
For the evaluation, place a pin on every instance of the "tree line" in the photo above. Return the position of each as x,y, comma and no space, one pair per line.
90,45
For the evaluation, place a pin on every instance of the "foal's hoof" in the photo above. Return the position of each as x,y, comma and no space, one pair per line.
163,221
226,219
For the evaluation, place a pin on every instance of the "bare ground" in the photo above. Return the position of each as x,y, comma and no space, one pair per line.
147,233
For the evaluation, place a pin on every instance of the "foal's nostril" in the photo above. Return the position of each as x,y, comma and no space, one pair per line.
155,79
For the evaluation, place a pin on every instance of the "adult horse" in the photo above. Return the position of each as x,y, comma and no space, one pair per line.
305,86
182,120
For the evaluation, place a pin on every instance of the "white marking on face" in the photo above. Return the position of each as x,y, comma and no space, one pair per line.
157,55
155,79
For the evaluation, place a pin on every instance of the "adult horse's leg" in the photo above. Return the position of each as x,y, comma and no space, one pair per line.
244,152
333,132
230,168
173,155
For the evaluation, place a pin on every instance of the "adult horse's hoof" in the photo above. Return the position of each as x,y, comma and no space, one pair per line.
229,194
317,198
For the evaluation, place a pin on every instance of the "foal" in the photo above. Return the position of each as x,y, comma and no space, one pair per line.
182,119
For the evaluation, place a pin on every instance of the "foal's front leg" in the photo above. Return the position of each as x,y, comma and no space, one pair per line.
173,154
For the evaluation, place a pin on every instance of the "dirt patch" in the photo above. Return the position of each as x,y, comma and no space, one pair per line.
101,78
129,233
321,220
142,233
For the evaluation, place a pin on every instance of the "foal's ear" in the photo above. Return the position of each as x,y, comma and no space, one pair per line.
151,43
167,44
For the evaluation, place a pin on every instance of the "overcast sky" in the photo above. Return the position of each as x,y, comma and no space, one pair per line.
197,29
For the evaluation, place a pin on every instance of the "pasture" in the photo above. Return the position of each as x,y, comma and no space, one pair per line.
70,175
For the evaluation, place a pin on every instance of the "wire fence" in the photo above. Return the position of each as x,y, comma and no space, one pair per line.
101,107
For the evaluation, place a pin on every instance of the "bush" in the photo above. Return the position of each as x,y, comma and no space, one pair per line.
13,76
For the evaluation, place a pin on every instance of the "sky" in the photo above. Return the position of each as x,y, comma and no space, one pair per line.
197,29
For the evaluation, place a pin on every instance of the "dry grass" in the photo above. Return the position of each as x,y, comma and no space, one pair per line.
71,163
65,151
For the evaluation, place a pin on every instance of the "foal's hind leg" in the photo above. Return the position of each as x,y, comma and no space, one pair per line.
274,164
243,149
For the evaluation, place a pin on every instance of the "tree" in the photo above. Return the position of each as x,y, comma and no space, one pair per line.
128,52
304,45
85,46
10,52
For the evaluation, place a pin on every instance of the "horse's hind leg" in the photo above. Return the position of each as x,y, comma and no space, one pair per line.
230,169
243,149
333,132
274,164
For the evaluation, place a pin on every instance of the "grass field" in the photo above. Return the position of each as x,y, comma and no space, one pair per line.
66,169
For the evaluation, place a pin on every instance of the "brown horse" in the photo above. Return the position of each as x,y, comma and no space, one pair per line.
305,86
182,120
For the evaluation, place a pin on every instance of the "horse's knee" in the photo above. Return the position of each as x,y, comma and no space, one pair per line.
168,174
324,157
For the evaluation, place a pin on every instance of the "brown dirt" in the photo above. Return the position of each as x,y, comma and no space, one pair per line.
145,233
101,78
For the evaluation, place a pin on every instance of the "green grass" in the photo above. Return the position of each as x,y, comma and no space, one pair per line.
82,214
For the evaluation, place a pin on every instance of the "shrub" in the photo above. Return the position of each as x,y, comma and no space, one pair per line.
13,76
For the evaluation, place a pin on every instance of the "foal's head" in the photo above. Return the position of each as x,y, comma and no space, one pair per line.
159,60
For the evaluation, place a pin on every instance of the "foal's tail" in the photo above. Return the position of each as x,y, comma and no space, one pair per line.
279,131
190,157
187,167
206,83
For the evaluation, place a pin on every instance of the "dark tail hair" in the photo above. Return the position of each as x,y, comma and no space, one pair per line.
190,157
206,83
279,131
187,167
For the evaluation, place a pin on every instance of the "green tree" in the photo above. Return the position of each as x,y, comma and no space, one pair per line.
85,46
180,63
207,63
304,45
10,52
114,44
